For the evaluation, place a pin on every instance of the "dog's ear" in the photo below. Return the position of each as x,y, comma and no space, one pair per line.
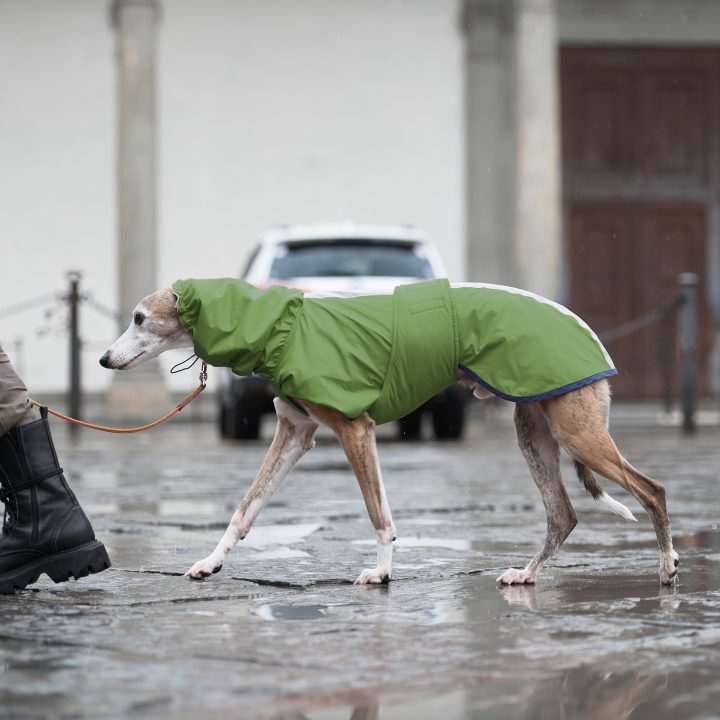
168,294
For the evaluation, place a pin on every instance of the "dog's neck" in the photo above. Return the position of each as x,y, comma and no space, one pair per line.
233,324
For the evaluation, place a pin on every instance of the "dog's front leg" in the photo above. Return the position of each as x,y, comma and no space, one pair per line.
357,438
294,436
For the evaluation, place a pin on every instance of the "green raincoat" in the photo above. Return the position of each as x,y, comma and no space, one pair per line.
388,354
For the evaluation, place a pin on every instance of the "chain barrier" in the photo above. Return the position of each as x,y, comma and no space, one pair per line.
91,302
677,345
61,299
29,304
668,307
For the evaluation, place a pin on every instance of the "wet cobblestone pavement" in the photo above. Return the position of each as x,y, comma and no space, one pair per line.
282,632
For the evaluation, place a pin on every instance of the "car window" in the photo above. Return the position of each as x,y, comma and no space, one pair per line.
349,259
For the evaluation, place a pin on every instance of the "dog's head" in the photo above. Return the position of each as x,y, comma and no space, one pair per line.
154,328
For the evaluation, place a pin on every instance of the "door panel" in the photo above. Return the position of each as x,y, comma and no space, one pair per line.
640,145
598,131
673,147
624,261
602,289
670,237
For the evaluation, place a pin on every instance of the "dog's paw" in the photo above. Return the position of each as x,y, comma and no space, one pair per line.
376,576
669,562
514,576
203,568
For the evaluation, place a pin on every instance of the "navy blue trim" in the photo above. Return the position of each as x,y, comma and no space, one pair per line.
543,396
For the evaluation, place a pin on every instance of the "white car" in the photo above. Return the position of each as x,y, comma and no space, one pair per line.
343,257
337,257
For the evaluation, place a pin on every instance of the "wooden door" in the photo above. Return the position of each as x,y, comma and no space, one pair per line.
640,148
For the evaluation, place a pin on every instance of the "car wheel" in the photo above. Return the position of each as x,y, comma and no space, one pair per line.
448,420
239,424
410,426
225,422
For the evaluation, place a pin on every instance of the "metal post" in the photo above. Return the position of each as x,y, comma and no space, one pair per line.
688,344
73,299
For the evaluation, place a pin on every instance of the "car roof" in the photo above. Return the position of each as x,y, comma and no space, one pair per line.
342,231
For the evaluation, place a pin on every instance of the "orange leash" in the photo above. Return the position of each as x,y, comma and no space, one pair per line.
177,409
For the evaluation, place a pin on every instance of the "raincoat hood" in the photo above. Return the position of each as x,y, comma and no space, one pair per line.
234,324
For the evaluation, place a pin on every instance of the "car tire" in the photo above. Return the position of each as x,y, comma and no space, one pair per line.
239,425
410,427
448,420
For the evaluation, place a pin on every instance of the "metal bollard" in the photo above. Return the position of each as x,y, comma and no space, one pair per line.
688,344
73,299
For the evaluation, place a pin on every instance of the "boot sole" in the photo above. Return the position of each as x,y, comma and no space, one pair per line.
76,563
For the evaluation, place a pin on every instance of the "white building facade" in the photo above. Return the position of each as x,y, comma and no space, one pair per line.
449,114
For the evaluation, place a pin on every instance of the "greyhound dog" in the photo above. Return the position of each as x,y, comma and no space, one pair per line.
576,420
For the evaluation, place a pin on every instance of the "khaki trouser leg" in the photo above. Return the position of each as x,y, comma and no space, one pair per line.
15,408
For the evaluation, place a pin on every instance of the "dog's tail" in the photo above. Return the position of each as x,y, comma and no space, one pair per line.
591,485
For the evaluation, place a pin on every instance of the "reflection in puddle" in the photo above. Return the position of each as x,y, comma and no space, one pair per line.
707,539
425,615
173,472
280,611
577,693
264,535
448,705
593,696
283,553
292,612
367,712
415,542
525,595
185,507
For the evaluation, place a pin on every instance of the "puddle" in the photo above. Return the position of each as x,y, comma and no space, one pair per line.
450,705
186,507
278,611
264,535
706,539
173,472
417,542
292,612
580,692
282,553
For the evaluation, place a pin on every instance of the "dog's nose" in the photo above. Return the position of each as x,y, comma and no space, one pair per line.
105,359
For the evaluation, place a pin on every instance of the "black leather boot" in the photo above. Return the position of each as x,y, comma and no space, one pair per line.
45,529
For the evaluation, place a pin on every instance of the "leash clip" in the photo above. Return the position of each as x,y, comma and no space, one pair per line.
203,374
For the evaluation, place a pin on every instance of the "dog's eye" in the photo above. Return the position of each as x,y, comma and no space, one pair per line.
138,318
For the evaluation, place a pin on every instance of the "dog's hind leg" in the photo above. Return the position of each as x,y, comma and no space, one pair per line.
294,436
357,438
578,421
541,453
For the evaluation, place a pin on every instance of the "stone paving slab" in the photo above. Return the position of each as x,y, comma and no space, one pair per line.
282,633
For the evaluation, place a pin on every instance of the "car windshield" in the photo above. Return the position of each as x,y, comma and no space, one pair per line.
349,259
